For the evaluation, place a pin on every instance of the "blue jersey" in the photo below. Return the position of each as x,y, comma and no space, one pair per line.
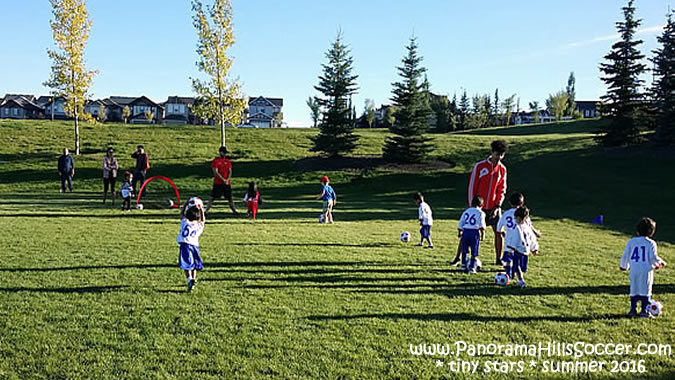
328,193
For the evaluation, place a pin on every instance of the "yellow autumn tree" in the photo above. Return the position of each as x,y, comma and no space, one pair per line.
69,76
219,97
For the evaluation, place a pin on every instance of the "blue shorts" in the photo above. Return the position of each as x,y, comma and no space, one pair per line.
516,260
470,241
425,231
189,258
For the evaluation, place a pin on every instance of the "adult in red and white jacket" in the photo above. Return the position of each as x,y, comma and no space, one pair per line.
488,180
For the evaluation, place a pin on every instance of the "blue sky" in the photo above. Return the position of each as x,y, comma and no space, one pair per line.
522,47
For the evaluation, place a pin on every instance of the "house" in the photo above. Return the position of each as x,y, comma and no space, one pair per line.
20,107
262,111
528,117
177,110
93,107
53,106
140,106
115,105
588,108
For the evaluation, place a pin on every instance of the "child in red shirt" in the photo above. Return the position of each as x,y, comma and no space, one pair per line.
252,199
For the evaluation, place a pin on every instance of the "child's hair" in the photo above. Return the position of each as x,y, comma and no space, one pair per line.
646,226
516,199
140,146
477,201
499,146
418,197
252,188
127,174
192,214
522,212
222,150
325,179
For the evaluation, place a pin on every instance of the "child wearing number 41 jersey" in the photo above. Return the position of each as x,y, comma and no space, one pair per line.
471,230
640,257
191,227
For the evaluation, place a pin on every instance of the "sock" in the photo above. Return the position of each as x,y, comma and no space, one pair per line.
645,303
633,303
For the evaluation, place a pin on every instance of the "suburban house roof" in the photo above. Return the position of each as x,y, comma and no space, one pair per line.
14,96
276,102
141,98
22,102
122,100
180,100
260,116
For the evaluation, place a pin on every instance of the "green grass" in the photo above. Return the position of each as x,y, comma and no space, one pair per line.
90,292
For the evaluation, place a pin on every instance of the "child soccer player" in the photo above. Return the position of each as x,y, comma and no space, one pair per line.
127,191
252,199
640,257
471,230
507,225
426,220
519,244
191,227
329,199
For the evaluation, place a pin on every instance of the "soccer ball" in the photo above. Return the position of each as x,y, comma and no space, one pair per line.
321,218
139,206
405,236
502,279
195,202
479,265
169,203
655,308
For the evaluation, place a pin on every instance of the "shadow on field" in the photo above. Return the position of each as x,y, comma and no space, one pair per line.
364,245
586,126
461,317
78,290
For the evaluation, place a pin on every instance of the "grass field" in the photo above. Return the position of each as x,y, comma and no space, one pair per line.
90,292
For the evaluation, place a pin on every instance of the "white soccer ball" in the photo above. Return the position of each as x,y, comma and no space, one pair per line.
405,236
502,279
655,308
169,203
195,202
139,206
479,265
321,218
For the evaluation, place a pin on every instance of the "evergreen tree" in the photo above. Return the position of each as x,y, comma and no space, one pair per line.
463,110
409,144
496,111
337,84
571,94
664,84
623,102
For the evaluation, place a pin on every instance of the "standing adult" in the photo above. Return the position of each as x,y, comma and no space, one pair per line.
142,166
66,169
488,180
222,173
110,168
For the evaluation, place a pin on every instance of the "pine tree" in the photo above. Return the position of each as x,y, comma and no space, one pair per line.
409,144
571,92
496,111
624,101
664,84
337,84
464,108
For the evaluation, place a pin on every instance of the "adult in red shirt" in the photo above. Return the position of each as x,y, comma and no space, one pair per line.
222,173
488,180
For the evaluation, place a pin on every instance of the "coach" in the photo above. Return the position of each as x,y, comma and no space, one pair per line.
222,172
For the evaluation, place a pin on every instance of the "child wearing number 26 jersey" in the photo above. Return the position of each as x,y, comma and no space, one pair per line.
641,259
191,227
471,230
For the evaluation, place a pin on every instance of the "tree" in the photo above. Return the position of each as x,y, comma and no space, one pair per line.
534,107
664,84
102,113
463,111
149,116
441,109
336,84
369,112
507,106
315,110
69,76
409,144
390,116
496,111
278,119
219,97
571,95
126,114
557,104
623,101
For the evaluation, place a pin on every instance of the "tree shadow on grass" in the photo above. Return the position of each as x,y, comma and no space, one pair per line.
272,244
466,317
76,290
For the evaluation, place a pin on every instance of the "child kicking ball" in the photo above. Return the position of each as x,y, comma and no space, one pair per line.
191,227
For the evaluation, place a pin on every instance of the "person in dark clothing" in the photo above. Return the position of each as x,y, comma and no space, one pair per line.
66,169
142,166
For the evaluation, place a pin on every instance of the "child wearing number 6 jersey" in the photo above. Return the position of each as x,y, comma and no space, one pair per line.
471,230
640,257
191,227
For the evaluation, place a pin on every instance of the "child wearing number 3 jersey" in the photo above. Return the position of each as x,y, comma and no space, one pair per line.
191,227
640,257
471,230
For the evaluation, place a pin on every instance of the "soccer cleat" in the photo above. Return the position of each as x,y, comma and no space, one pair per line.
473,271
190,284
644,314
455,263
430,247
521,283
419,245
632,313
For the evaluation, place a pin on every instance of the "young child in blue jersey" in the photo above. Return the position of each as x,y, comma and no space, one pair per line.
640,258
471,230
426,220
191,227
519,242
507,225
329,199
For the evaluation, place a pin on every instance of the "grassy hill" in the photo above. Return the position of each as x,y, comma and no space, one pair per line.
91,292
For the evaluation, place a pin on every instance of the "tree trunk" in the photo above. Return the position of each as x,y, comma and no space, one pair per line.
77,135
222,125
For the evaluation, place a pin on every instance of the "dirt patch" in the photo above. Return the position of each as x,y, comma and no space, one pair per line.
361,163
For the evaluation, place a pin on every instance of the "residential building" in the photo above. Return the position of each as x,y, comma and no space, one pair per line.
262,111
20,107
177,110
588,108
140,106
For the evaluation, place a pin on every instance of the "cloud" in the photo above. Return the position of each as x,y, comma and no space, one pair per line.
615,37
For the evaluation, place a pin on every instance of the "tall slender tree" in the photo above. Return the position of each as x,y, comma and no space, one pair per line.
624,101
219,97
534,107
664,83
464,108
69,75
337,84
507,105
369,112
409,143
571,94
315,110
